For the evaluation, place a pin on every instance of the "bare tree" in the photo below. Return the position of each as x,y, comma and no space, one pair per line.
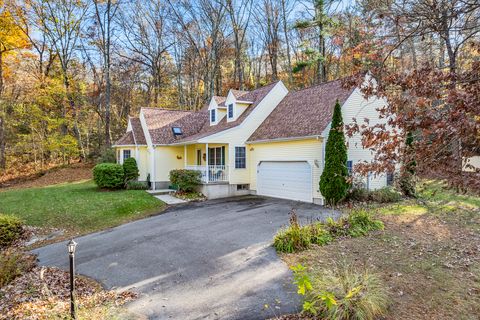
61,21
105,11
240,14
147,40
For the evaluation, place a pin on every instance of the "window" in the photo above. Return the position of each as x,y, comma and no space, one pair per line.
212,115
216,156
177,131
240,158
390,177
350,167
230,110
127,154
242,187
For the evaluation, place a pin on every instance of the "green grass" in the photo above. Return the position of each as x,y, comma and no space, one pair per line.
77,208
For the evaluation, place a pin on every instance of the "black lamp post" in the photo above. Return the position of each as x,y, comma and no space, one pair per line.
71,256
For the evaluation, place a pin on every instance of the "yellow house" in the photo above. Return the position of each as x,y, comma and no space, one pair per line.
268,141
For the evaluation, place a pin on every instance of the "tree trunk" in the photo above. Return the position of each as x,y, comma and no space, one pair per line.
71,102
3,143
321,69
108,141
287,42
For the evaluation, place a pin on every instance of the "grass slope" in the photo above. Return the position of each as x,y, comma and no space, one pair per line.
428,255
77,208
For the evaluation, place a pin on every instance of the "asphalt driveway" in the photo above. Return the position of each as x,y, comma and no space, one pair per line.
210,260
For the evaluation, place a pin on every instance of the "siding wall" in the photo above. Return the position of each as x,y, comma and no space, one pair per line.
473,161
237,136
141,156
166,159
358,107
309,150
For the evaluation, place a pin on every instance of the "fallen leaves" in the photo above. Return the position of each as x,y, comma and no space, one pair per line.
43,293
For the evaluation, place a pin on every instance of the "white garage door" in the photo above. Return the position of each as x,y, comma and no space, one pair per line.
287,180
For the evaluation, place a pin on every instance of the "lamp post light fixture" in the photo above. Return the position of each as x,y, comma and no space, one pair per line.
71,245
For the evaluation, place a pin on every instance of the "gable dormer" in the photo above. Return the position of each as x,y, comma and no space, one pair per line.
236,103
216,110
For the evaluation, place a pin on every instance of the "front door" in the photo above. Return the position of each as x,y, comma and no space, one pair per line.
199,157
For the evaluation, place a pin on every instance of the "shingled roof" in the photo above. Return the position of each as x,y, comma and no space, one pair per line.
303,113
135,136
256,97
138,131
126,140
161,121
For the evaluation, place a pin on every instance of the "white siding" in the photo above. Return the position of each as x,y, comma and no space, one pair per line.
237,136
310,150
356,106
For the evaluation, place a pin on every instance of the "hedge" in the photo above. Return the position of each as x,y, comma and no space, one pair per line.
109,175
186,180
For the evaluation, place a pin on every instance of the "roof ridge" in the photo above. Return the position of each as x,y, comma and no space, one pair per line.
318,85
164,109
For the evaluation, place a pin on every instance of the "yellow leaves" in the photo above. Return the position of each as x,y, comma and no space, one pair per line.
11,36
353,292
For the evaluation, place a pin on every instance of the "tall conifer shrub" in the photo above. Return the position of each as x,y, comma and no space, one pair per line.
333,182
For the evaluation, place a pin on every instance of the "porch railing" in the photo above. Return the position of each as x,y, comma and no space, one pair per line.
212,173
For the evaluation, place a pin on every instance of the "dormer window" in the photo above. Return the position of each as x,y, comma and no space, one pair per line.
230,110
177,131
213,116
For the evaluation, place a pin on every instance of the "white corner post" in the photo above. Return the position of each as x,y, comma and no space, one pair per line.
185,156
206,160
152,167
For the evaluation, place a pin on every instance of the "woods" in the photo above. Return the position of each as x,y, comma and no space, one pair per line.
71,72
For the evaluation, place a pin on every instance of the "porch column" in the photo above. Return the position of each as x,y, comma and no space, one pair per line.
206,154
185,156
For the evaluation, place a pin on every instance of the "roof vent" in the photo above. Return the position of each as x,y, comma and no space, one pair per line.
177,131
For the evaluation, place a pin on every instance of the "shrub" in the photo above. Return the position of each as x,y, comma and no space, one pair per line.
136,185
185,180
357,192
108,175
297,237
360,223
385,195
14,264
11,229
333,181
341,293
130,169
107,156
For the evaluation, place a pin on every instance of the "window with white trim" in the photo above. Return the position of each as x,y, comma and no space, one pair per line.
240,158
350,167
213,115
230,110
127,154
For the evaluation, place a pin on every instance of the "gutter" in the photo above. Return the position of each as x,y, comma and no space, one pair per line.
318,137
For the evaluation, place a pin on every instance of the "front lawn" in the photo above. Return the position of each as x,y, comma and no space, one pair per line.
427,257
77,208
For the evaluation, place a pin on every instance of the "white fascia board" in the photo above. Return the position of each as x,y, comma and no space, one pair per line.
146,133
318,137
208,139
213,104
125,145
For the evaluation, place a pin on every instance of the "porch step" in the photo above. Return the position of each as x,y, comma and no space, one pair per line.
160,191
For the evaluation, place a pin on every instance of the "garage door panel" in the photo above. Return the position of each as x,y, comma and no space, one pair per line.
282,179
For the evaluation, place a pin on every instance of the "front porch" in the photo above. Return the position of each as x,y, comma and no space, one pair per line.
211,173
210,160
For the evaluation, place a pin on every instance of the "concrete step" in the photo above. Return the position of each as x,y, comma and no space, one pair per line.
160,192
